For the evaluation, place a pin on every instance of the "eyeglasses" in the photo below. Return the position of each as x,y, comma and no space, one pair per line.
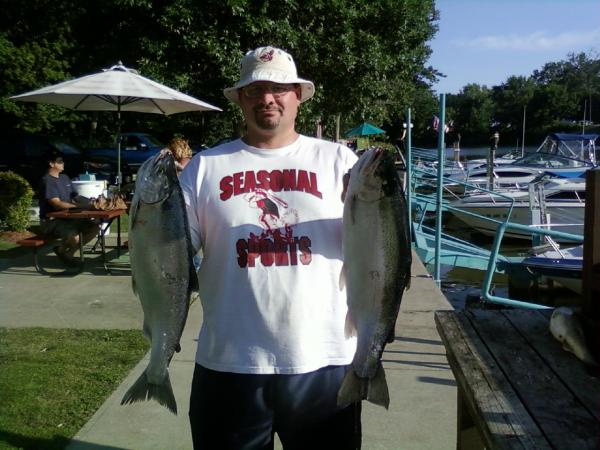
258,90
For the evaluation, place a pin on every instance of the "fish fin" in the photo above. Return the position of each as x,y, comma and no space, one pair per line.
342,282
147,331
178,347
143,390
349,326
133,210
353,389
193,283
378,392
392,336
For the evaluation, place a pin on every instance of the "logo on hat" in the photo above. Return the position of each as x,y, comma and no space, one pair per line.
267,56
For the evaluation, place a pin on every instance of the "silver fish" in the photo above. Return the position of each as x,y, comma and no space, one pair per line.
163,274
566,328
377,262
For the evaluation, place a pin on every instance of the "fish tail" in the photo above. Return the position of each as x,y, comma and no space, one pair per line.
378,392
144,390
355,389
352,389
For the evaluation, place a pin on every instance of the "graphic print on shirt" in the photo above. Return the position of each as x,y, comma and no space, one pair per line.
276,245
274,212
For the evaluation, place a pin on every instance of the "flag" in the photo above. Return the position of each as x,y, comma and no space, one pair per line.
436,123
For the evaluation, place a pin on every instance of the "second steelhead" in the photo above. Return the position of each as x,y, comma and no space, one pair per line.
377,262
163,273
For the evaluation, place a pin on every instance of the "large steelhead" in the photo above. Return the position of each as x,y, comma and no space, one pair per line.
163,274
377,261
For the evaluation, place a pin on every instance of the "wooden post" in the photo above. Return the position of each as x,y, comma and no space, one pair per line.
491,157
591,262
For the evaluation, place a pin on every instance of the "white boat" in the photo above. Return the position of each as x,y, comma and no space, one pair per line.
562,208
560,155
562,265
525,170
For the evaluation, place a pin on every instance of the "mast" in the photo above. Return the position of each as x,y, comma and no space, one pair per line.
523,138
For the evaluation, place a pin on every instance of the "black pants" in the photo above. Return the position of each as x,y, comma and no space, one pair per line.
243,411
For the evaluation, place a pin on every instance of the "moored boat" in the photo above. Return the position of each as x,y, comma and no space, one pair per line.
562,265
561,208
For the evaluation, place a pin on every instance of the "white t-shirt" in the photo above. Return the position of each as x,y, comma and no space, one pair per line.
269,223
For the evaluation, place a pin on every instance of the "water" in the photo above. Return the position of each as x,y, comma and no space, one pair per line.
463,287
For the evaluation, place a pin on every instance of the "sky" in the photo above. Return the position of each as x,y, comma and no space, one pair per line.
487,41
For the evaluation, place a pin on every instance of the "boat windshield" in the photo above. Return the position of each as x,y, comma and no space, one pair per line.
553,161
577,146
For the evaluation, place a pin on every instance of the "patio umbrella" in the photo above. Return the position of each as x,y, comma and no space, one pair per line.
116,89
364,129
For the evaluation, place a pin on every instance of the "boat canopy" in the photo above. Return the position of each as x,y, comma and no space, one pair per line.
574,136
572,145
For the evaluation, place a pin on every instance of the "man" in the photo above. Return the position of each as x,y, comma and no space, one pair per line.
56,194
266,211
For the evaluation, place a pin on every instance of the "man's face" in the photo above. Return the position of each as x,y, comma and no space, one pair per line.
58,165
268,107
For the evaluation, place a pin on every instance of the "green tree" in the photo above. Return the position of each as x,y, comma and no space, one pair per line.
367,58
579,81
473,112
34,51
551,103
512,99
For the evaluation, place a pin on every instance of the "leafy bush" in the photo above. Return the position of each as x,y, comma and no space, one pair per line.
15,199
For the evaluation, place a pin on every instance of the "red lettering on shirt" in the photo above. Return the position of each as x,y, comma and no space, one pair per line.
275,180
277,249
226,187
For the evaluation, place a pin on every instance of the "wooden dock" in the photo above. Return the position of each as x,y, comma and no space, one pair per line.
517,388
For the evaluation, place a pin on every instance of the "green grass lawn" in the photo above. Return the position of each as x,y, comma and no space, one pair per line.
53,380
5,245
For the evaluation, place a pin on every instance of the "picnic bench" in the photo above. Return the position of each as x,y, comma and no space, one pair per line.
517,387
104,220
36,242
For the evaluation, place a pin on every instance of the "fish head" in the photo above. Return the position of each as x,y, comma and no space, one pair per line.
374,175
156,178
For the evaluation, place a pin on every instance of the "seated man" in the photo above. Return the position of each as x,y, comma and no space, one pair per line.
56,194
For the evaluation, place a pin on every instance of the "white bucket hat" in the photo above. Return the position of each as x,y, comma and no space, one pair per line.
269,64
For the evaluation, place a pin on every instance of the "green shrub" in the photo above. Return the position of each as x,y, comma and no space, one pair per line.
15,200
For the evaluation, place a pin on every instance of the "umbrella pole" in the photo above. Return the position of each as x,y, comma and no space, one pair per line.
119,144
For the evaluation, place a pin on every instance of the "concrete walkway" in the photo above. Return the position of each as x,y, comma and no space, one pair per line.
422,412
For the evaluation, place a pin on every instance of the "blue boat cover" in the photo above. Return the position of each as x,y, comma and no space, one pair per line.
575,174
574,136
